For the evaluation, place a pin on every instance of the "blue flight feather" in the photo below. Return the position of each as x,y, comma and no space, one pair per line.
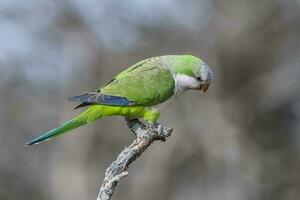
103,99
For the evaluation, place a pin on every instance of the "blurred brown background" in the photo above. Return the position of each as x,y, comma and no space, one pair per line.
238,141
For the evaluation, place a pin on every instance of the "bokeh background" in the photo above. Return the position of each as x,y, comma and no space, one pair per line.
238,141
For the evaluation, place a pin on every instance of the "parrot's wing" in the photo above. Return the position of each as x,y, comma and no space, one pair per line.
148,83
98,98
145,83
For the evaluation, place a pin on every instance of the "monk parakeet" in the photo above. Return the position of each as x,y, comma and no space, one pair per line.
140,91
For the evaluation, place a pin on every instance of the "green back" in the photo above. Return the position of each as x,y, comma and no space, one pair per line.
147,83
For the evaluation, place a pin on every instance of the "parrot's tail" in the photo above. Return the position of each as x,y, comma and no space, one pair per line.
91,114
65,127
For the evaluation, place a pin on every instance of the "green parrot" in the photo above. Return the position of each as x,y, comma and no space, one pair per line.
140,91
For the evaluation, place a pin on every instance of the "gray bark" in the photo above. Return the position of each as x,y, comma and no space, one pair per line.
145,136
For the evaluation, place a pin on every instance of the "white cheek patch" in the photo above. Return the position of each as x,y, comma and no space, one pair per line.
184,82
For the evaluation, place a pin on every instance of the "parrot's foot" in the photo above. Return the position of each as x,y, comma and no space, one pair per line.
162,132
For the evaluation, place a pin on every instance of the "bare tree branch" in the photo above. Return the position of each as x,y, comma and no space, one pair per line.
145,136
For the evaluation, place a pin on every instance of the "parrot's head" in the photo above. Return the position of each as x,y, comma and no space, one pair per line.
192,73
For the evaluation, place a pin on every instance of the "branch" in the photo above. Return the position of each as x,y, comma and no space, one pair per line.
145,136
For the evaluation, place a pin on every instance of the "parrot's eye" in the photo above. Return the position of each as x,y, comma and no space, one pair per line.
199,78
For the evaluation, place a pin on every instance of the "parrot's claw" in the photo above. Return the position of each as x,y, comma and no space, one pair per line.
162,131
159,128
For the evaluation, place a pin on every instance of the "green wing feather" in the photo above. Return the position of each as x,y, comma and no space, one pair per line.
145,83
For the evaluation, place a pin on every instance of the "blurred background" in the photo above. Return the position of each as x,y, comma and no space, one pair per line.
238,141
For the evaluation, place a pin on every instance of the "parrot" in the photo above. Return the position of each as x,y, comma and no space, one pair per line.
139,92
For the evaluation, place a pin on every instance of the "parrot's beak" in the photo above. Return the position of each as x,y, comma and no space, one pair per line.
204,87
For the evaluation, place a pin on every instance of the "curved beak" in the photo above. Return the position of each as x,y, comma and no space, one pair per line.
204,87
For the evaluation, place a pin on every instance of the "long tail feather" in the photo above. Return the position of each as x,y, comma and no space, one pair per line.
91,114
65,127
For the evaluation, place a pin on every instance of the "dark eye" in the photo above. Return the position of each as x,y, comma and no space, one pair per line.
199,79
